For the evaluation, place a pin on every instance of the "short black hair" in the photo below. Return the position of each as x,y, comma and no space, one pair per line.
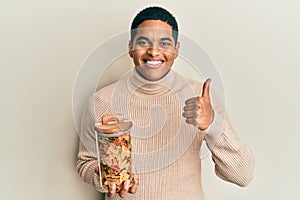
154,13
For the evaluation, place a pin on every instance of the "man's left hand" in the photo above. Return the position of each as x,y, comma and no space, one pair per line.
198,110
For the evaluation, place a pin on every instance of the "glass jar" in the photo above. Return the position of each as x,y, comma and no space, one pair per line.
114,151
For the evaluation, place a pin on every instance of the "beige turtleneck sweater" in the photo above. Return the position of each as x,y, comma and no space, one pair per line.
165,148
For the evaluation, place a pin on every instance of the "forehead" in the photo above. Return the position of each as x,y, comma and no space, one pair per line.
154,23
154,29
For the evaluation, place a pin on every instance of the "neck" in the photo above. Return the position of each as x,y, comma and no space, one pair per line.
142,75
139,84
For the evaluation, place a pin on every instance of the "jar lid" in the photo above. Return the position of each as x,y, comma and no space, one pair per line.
112,124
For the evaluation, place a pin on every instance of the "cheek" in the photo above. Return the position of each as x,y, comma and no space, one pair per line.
171,56
137,53
136,57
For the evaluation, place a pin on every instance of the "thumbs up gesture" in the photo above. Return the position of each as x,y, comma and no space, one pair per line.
198,110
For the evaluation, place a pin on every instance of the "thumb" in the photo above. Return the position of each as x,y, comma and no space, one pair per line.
205,89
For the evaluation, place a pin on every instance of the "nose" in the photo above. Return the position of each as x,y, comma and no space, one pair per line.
153,51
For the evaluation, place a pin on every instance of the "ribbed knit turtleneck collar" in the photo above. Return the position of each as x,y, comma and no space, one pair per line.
139,84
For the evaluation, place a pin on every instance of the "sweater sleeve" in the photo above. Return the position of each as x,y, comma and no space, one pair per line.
87,160
233,159
86,165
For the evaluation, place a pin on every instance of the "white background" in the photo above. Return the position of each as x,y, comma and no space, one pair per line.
254,44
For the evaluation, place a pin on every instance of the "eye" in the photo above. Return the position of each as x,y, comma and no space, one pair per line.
143,43
165,44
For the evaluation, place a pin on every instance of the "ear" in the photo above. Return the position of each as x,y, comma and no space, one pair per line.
130,51
177,46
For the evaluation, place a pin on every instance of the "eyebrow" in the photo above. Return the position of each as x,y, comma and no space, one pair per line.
145,38
166,38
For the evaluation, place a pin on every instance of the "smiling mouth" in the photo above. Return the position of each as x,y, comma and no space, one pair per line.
153,63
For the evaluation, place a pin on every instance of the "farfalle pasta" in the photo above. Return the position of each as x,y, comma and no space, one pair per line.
114,151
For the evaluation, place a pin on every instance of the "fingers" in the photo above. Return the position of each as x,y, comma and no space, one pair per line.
191,107
126,186
205,89
191,110
189,114
205,94
112,190
193,121
191,101
124,189
135,184
198,110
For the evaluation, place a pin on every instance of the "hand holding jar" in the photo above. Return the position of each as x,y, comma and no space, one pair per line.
114,155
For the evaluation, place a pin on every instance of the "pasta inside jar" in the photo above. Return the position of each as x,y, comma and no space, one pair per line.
114,151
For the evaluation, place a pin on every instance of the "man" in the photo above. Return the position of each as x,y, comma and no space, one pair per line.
170,122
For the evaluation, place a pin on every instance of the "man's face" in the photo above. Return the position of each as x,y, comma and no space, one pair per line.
153,49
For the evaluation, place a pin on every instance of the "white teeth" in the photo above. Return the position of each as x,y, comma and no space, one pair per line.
153,62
